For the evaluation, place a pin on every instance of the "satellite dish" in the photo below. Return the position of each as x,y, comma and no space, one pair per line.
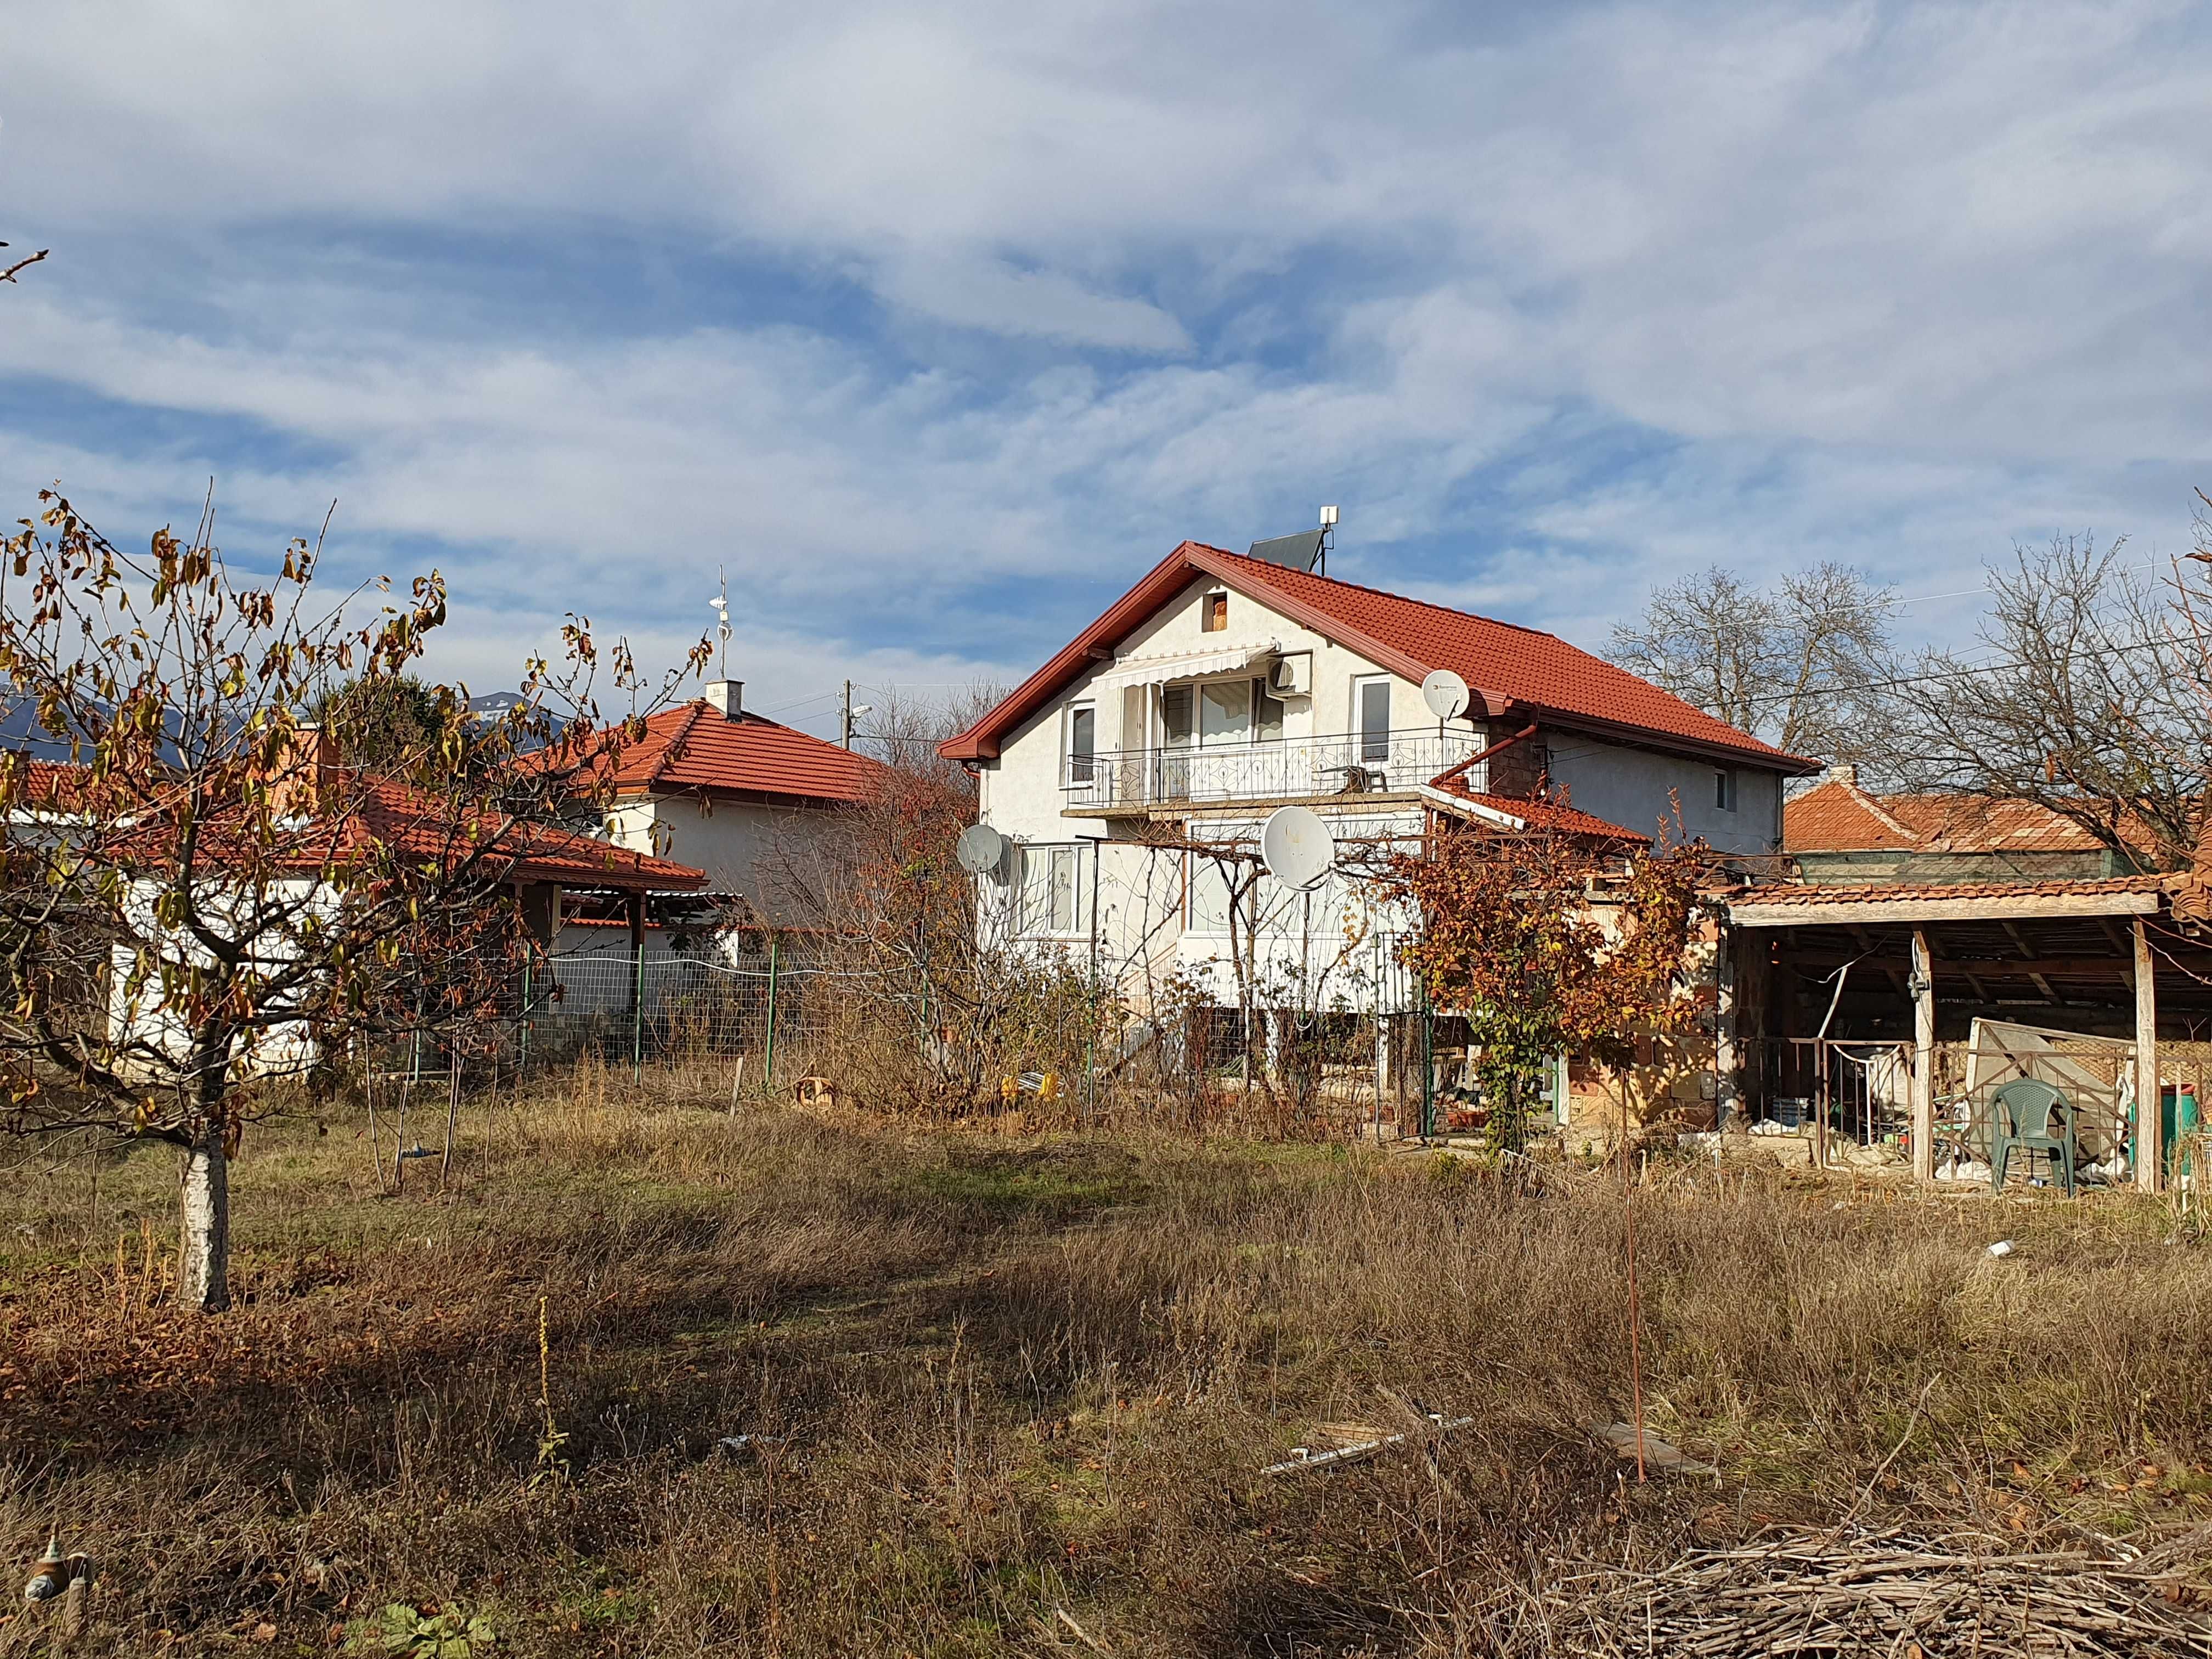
1446,695
1297,848
980,849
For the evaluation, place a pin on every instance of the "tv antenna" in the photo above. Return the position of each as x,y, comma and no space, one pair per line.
980,850
1327,538
721,604
1297,848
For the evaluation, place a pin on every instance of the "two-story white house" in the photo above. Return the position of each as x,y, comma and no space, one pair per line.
1132,773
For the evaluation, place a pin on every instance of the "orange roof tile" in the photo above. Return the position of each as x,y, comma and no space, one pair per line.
1892,892
1838,817
1512,670
695,746
1556,816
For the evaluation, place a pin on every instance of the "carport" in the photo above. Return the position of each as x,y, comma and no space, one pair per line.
1817,977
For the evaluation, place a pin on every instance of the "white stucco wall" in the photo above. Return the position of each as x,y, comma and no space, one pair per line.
741,845
1632,787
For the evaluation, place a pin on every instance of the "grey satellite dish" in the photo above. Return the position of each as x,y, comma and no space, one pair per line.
1446,695
981,849
1297,848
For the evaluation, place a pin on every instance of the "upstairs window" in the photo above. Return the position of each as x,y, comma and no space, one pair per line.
1267,711
1373,707
1724,789
1082,742
1175,723
1213,614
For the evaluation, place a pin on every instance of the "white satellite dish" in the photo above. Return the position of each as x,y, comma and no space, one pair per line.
1297,848
1446,695
981,849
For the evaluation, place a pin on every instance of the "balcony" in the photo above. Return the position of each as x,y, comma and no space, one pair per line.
1273,770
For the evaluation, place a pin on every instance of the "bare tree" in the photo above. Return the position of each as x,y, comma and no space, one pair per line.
2089,693
1792,664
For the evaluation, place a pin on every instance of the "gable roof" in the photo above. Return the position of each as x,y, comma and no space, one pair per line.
695,746
1513,671
1839,816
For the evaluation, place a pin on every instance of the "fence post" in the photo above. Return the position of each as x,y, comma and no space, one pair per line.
522,1036
637,1022
636,907
1428,1063
767,1064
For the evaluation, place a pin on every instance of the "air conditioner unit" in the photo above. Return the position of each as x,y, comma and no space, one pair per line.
1293,676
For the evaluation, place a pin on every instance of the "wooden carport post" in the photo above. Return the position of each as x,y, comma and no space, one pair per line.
1923,1059
2150,1110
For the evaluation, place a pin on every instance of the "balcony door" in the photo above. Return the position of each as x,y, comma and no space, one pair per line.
1214,734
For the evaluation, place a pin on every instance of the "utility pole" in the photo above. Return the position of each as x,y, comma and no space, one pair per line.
845,724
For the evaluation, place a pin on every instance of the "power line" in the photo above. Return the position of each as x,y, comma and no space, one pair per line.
1955,674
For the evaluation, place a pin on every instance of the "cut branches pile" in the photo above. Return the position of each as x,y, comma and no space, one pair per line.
1815,1592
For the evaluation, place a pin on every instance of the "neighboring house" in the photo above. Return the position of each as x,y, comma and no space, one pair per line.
337,817
1134,770
1838,832
734,794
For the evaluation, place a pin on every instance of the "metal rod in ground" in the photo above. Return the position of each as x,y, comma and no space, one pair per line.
767,1058
452,1106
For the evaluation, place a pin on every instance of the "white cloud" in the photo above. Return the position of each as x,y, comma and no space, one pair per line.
1606,291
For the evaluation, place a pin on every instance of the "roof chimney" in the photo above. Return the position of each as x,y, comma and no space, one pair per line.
302,776
1846,773
728,696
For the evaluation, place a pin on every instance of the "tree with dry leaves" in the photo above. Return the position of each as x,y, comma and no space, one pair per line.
197,901
1547,944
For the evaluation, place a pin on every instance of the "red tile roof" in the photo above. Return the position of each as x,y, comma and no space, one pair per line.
1556,816
367,816
1512,670
1838,817
1812,893
376,816
695,746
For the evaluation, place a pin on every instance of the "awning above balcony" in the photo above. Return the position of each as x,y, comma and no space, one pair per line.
1166,666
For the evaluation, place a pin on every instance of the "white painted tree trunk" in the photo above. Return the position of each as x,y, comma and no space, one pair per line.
205,1206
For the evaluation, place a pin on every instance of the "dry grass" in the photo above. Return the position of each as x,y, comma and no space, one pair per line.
1012,1395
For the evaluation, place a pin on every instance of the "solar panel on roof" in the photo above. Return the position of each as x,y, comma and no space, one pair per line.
1298,552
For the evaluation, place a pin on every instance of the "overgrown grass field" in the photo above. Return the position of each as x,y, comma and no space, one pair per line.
1014,1396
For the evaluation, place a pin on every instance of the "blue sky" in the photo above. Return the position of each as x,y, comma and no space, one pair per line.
935,326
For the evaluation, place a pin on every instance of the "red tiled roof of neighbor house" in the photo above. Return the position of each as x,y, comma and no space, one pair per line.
1839,816
695,746
1551,815
47,784
391,816
357,821
1512,670
364,816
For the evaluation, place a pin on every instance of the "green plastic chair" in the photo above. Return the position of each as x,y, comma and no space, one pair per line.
2021,1119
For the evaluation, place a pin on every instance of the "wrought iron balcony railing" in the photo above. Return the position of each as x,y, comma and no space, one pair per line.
1277,768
